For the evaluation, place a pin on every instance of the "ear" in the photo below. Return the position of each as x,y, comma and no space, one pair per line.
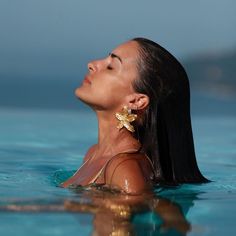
138,101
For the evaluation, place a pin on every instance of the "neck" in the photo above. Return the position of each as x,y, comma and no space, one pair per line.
110,138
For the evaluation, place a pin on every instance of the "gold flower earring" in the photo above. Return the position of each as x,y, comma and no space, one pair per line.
125,117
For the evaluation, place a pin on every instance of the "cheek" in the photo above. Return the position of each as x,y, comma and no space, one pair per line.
123,87
109,91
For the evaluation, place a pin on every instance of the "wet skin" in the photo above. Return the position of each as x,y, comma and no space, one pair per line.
107,89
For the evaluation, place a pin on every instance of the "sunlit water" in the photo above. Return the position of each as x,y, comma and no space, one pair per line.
40,148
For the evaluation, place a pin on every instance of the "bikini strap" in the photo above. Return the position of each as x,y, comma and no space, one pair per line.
103,168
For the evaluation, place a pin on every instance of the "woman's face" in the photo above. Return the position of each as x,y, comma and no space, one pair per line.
108,82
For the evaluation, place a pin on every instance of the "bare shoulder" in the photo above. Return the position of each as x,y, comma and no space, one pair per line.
89,152
125,172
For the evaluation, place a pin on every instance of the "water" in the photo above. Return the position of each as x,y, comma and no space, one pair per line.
40,148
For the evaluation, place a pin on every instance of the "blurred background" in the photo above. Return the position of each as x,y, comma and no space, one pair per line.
45,47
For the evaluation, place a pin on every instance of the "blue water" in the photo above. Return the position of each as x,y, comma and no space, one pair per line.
40,148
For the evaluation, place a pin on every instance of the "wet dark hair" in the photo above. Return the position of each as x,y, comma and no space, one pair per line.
166,131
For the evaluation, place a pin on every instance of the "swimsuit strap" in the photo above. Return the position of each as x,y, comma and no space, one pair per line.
101,170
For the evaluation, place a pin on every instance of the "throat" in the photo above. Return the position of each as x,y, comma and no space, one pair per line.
122,142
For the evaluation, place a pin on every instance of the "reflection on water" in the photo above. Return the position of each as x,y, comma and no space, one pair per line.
115,213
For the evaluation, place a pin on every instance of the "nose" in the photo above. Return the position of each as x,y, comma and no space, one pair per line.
91,66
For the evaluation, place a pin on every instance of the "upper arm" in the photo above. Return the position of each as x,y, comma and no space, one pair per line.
127,175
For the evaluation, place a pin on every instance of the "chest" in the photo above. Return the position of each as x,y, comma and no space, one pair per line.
89,172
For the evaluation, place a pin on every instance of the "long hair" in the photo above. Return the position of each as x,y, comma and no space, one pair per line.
166,131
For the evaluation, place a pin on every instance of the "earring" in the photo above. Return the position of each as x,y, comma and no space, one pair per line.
125,117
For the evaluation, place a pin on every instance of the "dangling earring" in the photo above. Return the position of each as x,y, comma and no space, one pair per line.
125,117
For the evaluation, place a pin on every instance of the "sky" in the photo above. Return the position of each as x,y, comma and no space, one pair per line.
57,38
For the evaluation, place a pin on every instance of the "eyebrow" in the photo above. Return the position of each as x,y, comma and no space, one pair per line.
115,56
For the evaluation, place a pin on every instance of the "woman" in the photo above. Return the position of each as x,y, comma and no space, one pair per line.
141,97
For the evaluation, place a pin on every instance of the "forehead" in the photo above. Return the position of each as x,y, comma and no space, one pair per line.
128,51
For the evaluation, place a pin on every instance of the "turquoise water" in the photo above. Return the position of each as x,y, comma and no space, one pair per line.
40,148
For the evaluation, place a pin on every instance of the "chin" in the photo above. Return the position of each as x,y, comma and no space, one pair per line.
77,92
82,95
90,99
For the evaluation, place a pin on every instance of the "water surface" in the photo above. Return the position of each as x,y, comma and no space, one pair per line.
40,148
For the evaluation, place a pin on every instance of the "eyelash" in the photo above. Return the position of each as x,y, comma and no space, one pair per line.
109,67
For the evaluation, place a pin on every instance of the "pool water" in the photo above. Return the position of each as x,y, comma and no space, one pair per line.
41,148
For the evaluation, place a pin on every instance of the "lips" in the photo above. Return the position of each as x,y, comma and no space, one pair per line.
86,80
